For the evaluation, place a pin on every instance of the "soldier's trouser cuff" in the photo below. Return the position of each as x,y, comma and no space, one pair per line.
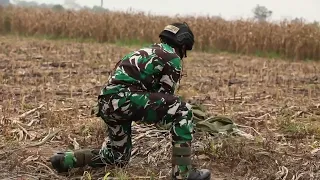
181,162
88,157
181,156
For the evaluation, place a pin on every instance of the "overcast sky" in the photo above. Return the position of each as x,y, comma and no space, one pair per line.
308,9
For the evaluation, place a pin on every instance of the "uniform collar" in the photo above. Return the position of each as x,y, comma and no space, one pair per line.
167,48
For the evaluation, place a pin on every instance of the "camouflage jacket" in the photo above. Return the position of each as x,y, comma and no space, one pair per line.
156,68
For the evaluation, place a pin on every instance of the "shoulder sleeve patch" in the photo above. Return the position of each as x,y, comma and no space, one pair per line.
172,29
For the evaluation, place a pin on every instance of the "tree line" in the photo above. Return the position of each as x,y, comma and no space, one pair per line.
68,4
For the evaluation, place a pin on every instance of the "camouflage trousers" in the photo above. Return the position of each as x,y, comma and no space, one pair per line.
119,110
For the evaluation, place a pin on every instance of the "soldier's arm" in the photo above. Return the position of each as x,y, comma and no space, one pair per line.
170,75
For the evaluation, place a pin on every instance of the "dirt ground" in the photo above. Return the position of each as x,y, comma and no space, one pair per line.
47,89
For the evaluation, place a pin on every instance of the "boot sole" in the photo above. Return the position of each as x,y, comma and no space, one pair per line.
208,178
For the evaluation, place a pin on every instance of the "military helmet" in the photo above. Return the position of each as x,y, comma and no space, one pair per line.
178,34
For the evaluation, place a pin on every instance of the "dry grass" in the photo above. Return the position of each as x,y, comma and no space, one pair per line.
60,80
287,39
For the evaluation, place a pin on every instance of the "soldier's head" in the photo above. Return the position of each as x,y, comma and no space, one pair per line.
179,36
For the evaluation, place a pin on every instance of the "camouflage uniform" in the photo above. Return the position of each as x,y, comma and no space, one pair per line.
141,89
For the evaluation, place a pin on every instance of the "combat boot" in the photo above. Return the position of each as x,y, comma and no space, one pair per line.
202,174
181,166
63,161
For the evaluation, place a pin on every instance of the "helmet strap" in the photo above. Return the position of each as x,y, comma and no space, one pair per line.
180,52
183,52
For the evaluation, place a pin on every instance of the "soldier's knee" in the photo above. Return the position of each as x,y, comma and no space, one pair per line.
122,160
116,158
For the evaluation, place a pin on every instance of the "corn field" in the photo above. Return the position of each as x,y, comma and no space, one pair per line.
293,40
